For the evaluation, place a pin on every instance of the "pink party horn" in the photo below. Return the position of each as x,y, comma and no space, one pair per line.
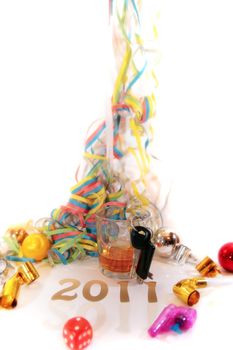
177,318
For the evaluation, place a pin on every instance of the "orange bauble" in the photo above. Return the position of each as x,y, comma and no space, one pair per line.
36,246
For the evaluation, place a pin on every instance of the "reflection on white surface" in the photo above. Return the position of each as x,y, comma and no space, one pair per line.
114,322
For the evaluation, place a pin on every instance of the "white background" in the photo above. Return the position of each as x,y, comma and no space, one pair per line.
52,86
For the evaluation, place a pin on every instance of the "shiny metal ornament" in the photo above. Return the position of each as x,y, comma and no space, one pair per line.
28,273
25,274
165,242
208,268
3,265
183,254
18,233
4,270
10,292
187,291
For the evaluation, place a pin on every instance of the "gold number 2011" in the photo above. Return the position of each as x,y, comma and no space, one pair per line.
60,294
124,294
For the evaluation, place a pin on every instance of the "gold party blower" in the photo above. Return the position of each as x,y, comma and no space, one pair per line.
25,274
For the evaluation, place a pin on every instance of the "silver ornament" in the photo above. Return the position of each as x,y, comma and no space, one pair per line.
3,265
183,254
165,242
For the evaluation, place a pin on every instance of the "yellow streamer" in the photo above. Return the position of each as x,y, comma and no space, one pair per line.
133,103
139,144
94,156
80,183
138,195
81,199
88,244
122,75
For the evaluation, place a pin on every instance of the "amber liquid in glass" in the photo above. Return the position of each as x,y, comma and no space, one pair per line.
117,259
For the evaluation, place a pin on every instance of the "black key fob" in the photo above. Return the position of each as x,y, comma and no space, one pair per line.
140,239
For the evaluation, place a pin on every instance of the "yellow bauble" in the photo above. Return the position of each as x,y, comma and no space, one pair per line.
36,246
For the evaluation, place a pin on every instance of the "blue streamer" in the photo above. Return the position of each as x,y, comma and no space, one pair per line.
18,259
135,79
136,10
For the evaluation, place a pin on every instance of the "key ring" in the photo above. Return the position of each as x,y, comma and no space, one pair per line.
141,240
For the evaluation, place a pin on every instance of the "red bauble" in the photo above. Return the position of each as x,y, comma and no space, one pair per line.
77,333
225,256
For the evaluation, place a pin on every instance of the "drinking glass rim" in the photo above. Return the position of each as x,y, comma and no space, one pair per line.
111,220
129,219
